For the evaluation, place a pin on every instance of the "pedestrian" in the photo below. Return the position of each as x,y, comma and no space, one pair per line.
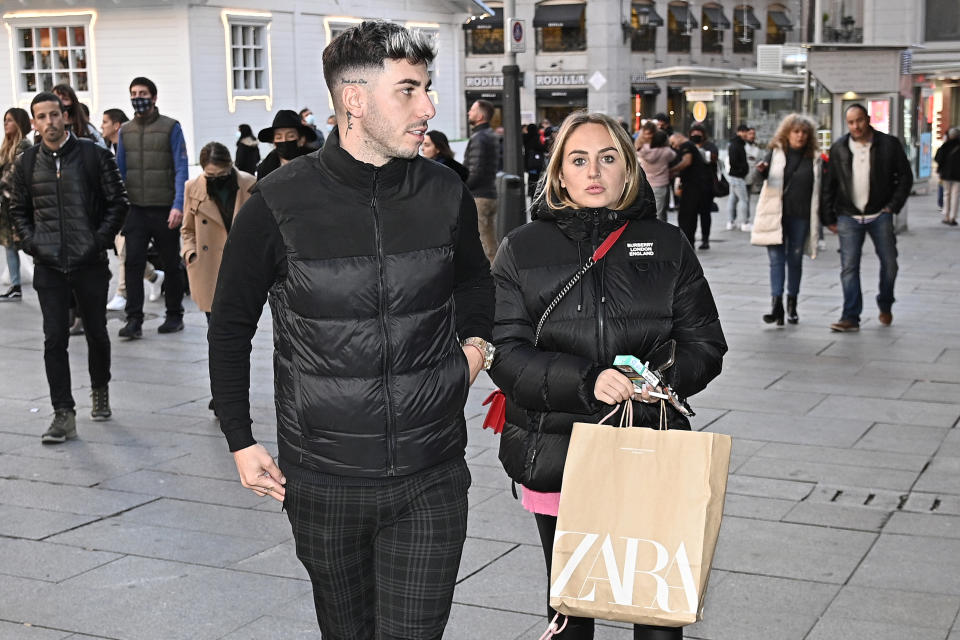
67,203
16,128
663,123
110,125
655,155
738,206
76,116
696,186
534,157
211,202
383,308
647,290
308,119
248,150
152,156
787,214
437,148
948,168
867,183
482,159
711,156
290,139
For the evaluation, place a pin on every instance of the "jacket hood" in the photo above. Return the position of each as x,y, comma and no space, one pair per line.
577,224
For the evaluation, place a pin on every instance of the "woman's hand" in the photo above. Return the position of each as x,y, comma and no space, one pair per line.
613,387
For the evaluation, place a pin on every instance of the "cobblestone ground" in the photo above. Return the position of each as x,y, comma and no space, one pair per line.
842,515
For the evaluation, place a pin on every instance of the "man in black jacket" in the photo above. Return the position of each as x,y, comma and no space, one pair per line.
738,206
382,307
482,159
67,203
868,181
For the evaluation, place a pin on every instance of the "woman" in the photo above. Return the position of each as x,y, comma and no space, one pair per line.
534,157
647,290
436,147
655,157
75,116
16,127
788,209
248,150
211,200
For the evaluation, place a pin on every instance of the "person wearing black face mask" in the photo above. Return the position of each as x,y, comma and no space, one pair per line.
709,152
289,136
211,201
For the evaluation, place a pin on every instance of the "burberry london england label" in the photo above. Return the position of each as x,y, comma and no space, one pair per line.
640,250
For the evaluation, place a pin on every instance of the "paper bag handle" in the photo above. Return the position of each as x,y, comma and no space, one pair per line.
626,418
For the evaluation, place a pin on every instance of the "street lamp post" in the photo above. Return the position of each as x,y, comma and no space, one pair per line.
512,148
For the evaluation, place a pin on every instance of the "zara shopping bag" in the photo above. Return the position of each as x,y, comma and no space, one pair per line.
640,513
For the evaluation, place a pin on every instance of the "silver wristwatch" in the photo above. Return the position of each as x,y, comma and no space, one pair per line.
486,348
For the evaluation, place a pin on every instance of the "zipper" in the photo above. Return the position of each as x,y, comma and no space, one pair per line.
63,226
385,334
598,288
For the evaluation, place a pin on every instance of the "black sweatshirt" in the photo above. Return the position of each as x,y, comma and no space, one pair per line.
256,259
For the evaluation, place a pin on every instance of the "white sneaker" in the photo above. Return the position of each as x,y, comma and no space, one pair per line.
746,226
821,245
731,226
156,286
119,303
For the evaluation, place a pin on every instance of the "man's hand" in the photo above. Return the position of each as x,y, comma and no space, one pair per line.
613,387
832,227
259,472
176,217
474,359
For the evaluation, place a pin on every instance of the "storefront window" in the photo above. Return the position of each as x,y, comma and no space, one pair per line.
943,21
714,25
778,24
644,20
484,36
680,27
561,27
745,24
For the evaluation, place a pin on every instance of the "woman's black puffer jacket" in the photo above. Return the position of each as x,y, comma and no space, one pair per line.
647,290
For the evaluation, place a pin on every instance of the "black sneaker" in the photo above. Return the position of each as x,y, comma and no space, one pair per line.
132,330
63,427
172,324
100,398
13,294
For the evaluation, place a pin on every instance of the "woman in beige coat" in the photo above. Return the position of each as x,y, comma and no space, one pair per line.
211,201
787,216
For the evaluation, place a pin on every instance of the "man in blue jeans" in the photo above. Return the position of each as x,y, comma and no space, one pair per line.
738,206
867,183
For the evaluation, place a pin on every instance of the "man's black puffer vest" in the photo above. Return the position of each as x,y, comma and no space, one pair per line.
370,376
73,222
648,289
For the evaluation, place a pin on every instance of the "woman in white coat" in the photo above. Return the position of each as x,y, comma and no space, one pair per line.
788,210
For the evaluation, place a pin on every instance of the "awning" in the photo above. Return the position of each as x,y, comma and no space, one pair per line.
716,17
720,78
682,14
653,18
490,22
559,15
781,20
746,17
645,89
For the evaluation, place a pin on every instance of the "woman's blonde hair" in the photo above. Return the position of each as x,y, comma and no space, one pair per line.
793,121
555,196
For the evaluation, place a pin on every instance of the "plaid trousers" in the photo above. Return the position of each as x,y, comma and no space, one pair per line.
383,557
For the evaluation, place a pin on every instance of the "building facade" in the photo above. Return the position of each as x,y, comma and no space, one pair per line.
216,64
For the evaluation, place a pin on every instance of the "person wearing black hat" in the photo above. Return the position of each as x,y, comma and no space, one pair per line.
289,137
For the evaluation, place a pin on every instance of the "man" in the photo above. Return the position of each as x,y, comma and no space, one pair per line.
152,157
307,119
696,186
754,155
663,122
948,168
110,125
481,158
868,181
383,305
738,206
290,137
67,203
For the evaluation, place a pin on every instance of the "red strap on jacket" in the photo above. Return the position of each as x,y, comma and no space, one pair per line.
497,413
609,242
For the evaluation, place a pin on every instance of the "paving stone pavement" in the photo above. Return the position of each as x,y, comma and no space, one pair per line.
842,515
